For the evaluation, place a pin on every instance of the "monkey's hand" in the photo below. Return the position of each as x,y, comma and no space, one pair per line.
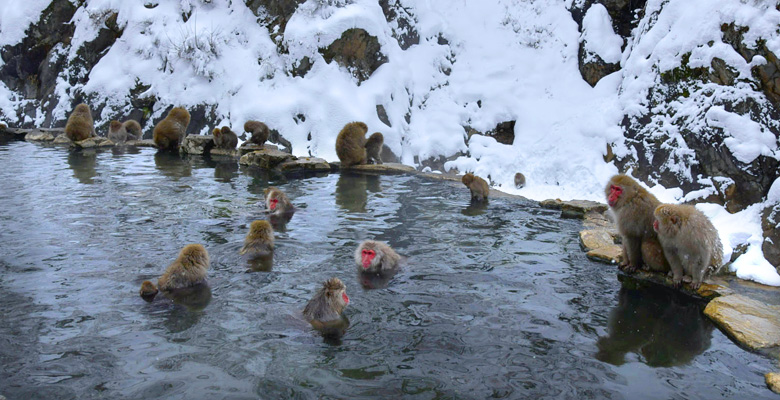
676,283
627,268
695,285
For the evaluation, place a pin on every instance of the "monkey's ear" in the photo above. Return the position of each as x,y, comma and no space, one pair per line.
674,219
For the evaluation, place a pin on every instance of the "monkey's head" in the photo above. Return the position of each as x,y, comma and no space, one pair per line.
467,179
148,290
226,130
261,229
376,138
336,294
667,220
114,125
216,132
368,256
272,195
180,114
82,108
619,188
194,256
363,127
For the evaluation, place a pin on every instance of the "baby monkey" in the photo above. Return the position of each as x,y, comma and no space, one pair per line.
374,148
189,269
328,303
376,257
479,188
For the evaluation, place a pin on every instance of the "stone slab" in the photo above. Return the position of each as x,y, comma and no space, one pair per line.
197,144
591,239
267,158
235,153
611,254
772,380
387,168
752,323
310,164
141,143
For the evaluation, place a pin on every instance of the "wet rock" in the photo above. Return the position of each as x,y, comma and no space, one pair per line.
552,204
770,224
357,51
592,239
141,143
751,323
772,380
247,147
62,139
197,144
37,135
612,254
386,168
236,153
267,158
707,290
308,164
577,209
93,142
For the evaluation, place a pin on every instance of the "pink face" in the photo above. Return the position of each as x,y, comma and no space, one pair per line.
345,297
614,194
272,203
367,256
655,225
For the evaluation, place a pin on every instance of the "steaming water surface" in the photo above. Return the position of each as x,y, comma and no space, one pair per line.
496,302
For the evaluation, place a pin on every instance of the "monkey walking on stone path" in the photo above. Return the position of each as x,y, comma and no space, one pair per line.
633,207
170,132
80,125
690,242
189,269
478,187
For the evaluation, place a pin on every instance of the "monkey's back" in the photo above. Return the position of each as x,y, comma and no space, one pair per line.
80,125
168,133
133,129
177,276
259,130
351,144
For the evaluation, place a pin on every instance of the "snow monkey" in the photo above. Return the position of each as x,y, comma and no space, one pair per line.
328,303
519,180
479,188
170,132
277,202
689,240
376,257
351,144
259,132
187,270
225,138
374,148
80,125
633,208
133,129
119,132
260,239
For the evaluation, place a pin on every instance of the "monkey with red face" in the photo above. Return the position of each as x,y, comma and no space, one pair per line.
277,202
375,257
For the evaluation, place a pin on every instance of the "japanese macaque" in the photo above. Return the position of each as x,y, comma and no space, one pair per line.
170,132
80,125
374,148
633,208
376,257
328,303
259,240
189,269
519,180
148,290
133,129
351,144
259,132
689,240
277,202
479,188
117,132
225,138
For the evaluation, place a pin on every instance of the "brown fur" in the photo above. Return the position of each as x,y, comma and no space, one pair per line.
133,128
478,187
148,290
633,210
519,180
80,125
259,131
351,144
170,132
259,240
117,132
690,242
225,138
385,260
283,205
374,148
188,269
328,303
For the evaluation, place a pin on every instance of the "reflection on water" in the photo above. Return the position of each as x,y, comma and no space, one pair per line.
225,170
260,262
375,281
500,302
475,208
665,327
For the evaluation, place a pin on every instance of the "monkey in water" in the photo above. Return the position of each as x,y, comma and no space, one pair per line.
479,188
225,138
351,144
259,131
187,270
633,207
689,240
277,202
328,303
259,240
374,148
80,125
170,132
376,257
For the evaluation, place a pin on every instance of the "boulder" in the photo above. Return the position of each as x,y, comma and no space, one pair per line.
96,141
591,239
770,224
612,254
267,158
751,323
62,139
141,143
307,164
577,209
37,135
772,380
357,51
235,153
197,144
247,147
387,168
